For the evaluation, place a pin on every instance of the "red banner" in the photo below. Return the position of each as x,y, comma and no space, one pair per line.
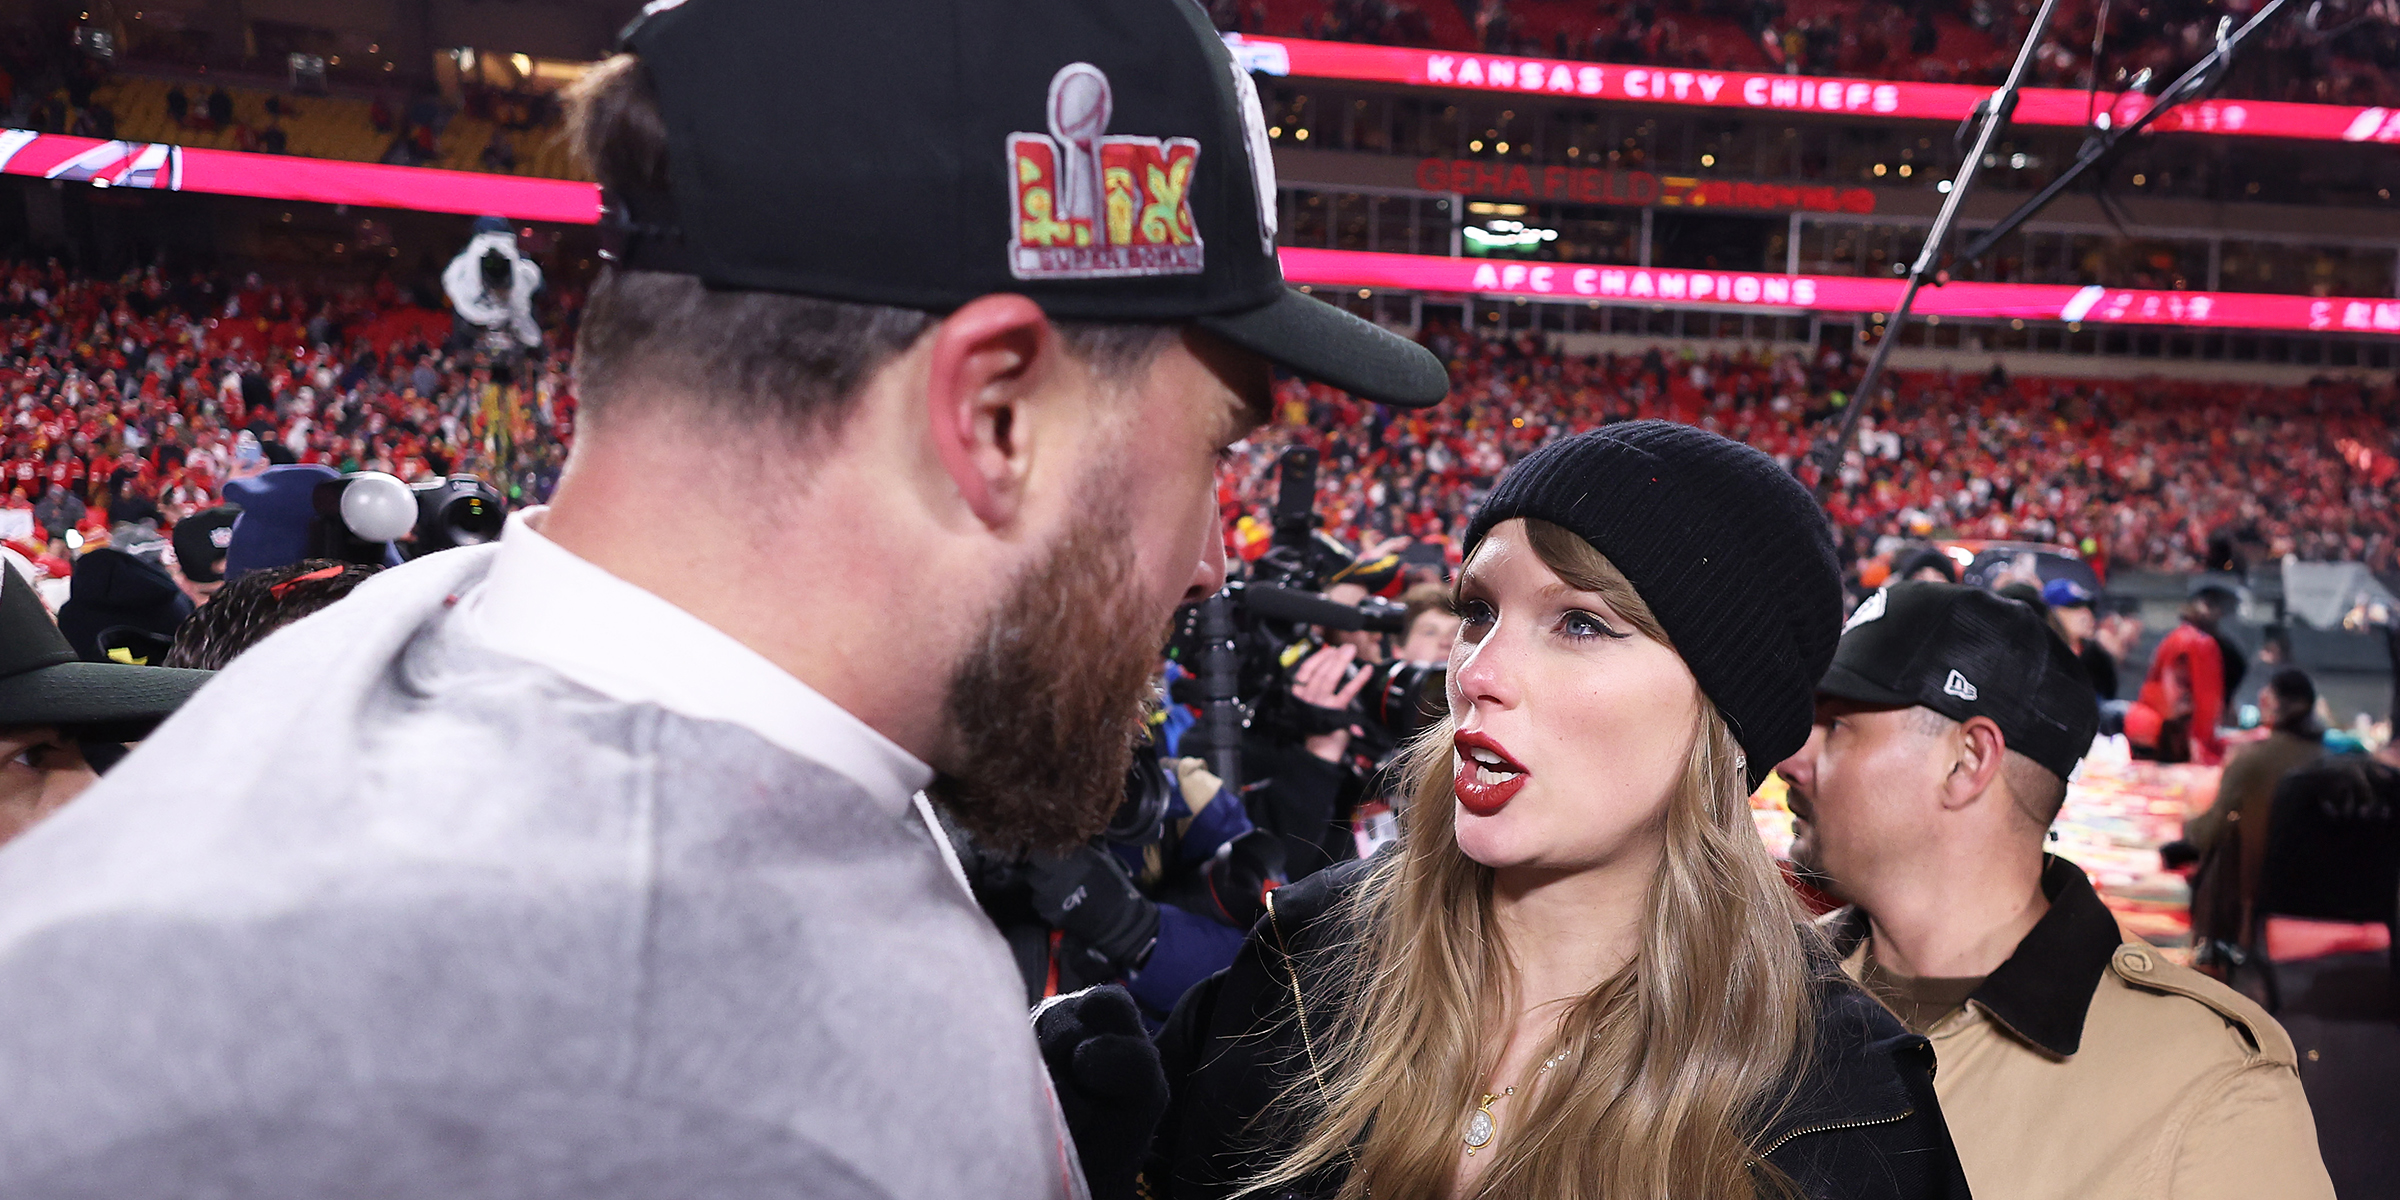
1638,189
288,177
1837,293
1514,75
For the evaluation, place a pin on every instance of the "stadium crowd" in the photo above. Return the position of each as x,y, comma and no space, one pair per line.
140,396
2148,473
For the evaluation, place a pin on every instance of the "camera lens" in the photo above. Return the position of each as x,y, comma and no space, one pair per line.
472,520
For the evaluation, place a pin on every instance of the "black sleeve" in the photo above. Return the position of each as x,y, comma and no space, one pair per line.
1182,1041
1233,1046
1217,1079
1299,800
1937,1172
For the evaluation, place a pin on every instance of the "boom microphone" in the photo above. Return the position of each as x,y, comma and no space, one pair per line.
1301,608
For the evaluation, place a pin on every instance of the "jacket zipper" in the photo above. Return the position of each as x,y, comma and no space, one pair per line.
1291,975
1777,1144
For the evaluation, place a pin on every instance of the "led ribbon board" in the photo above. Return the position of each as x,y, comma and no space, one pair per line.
287,177
1836,293
1516,76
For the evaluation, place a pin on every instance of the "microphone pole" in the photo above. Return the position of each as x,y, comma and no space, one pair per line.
1994,111
1220,677
2102,149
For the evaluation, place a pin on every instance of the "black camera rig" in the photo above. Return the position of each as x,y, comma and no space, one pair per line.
1241,644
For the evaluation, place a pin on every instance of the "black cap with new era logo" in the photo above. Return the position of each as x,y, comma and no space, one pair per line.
1105,157
1964,652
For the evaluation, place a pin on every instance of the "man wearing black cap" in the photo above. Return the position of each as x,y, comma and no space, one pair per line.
201,541
2075,1062
592,862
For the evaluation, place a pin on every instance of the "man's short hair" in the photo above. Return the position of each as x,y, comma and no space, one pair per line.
1934,558
2217,598
2294,689
2039,793
1422,599
755,358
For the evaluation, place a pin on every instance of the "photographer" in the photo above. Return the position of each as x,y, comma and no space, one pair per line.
1317,758
1308,785
1324,703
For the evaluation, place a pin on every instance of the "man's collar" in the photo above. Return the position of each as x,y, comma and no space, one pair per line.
543,603
2043,991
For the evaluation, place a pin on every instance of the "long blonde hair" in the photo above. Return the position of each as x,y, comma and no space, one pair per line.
1677,1058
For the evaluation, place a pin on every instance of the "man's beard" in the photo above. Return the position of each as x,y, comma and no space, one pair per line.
1046,705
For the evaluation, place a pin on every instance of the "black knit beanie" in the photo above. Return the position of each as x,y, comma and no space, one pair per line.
1729,551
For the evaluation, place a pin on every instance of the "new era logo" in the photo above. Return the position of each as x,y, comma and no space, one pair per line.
1958,686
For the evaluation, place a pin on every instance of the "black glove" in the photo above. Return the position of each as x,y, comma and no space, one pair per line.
1109,1083
1088,895
1240,875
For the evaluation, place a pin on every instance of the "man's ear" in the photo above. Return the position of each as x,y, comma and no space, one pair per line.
1980,748
985,361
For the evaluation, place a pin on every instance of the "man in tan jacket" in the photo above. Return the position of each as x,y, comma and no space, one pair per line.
2076,1063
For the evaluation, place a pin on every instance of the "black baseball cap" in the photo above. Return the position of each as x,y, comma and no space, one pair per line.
1964,652
201,540
1106,158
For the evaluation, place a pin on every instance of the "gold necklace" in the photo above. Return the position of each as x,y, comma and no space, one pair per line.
1482,1126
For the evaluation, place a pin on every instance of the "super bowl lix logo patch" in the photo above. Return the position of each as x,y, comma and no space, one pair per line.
1091,205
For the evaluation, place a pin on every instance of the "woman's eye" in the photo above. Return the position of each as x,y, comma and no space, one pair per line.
1474,613
1579,625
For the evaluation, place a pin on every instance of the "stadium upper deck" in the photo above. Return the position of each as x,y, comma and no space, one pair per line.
1531,178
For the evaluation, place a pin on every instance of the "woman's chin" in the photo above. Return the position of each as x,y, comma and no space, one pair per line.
1499,841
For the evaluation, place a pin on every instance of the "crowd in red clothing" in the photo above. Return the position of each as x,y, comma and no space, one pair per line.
2166,475
138,397
2353,56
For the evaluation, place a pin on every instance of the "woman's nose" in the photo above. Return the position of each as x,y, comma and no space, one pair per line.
1485,671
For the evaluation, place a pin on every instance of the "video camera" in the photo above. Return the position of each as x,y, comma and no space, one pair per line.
1242,643
364,514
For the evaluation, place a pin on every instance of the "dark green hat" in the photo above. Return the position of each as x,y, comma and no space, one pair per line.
44,682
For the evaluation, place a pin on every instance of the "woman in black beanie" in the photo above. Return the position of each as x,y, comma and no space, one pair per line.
1578,973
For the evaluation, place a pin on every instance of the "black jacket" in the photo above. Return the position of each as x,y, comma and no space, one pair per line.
1862,1123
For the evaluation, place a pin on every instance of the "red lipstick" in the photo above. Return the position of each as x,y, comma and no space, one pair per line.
1485,778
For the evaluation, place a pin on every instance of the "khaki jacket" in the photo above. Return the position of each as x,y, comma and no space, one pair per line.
2088,1067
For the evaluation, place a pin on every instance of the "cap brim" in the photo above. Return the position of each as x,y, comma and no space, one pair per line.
1317,341
1842,683
87,693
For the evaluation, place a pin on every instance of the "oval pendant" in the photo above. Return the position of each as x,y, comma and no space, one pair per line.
1479,1129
